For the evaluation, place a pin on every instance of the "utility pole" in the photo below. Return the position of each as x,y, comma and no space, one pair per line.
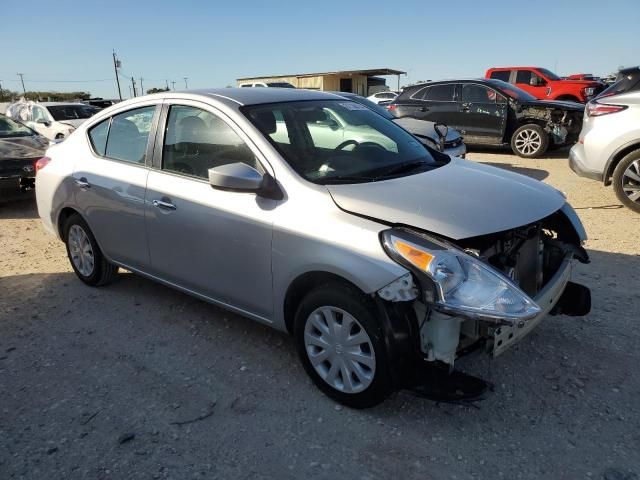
116,65
133,83
141,87
166,82
173,84
186,86
22,80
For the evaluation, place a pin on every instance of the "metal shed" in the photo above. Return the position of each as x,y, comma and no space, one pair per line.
362,82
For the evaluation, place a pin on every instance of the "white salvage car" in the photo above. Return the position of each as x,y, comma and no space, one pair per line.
54,120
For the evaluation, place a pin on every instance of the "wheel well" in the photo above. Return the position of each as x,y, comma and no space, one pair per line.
62,218
526,121
303,285
613,163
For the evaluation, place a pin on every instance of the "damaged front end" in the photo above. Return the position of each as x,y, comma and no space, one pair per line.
562,125
485,292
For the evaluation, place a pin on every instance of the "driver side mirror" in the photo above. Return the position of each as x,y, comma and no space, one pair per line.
43,122
240,177
442,130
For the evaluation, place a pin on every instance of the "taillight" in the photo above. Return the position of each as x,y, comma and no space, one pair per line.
596,109
40,164
391,107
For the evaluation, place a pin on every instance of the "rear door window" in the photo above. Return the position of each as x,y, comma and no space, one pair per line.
441,93
129,135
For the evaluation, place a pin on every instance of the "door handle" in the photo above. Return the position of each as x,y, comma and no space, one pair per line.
82,183
423,109
163,205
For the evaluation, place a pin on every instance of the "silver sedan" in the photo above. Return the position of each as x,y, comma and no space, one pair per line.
384,259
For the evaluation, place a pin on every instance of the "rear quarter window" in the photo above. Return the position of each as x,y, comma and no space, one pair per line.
98,137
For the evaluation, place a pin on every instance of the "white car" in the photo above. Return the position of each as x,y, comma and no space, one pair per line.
54,120
387,96
608,149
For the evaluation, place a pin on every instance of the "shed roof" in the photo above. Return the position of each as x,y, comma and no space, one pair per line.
368,72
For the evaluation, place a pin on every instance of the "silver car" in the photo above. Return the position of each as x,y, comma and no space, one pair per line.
385,261
608,149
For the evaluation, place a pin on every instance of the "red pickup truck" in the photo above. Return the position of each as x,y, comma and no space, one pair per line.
546,85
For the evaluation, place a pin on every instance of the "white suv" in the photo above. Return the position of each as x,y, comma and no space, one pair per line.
608,148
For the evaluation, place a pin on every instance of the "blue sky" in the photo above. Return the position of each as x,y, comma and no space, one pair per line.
213,43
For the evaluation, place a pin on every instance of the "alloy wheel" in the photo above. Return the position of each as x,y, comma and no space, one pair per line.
528,142
81,250
631,181
339,349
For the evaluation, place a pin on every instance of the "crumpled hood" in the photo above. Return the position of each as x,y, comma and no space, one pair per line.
459,200
16,148
424,128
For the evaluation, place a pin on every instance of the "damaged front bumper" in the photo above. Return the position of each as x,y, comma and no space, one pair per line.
507,335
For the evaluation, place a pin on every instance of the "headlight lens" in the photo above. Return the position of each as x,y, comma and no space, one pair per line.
462,284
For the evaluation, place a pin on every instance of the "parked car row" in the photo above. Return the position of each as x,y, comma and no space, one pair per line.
20,149
493,112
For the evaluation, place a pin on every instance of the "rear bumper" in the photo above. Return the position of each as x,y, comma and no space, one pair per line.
576,163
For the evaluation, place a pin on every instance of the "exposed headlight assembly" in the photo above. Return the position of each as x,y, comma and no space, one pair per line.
456,282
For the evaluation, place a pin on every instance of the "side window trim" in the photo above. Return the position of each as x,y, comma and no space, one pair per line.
162,128
453,100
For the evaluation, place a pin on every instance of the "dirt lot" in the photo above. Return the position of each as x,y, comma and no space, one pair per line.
94,383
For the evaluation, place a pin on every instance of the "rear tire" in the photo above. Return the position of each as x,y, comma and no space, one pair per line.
84,253
626,181
351,366
530,141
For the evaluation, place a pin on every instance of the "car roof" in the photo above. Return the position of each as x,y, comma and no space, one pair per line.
449,80
255,96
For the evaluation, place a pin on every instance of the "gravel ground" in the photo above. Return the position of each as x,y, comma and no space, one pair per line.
135,380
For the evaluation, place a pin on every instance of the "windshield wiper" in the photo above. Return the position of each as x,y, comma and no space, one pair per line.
346,179
402,168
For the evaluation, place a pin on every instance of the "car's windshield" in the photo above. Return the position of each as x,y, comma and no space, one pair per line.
549,74
10,128
512,91
339,141
71,112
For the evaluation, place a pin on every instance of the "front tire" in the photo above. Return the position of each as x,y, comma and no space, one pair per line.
530,141
626,181
341,346
85,255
